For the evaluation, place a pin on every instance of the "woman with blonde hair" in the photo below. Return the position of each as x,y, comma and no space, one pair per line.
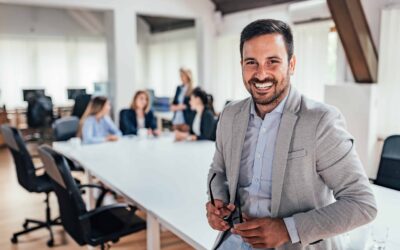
97,125
180,104
138,116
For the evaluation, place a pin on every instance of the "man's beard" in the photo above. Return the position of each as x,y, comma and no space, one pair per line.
277,92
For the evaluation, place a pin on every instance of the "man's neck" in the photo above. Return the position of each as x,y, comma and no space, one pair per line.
263,109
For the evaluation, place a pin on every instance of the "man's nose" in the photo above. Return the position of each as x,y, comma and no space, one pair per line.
262,73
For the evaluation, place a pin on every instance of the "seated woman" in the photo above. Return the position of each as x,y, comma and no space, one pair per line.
97,125
202,127
138,116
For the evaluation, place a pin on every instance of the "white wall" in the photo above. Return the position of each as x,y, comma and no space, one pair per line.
232,24
389,73
47,48
122,31
24,20
373,10
161,55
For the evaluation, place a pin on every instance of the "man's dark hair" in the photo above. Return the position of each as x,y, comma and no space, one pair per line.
264,27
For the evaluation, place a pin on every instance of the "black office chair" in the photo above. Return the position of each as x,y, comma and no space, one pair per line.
81,103
95,227
28,179
65,128
389,166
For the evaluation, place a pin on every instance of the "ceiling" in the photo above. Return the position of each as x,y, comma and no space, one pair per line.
231,6
161,24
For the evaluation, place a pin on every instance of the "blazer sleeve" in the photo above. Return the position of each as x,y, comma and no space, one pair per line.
339,166
207,126
219,185
151,121
127,122
177,92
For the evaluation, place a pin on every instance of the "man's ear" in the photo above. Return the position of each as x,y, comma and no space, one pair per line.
292,64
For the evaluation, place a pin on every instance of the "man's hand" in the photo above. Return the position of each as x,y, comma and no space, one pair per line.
215,214
262,232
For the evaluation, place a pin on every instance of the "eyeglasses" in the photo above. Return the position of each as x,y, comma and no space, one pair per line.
235,216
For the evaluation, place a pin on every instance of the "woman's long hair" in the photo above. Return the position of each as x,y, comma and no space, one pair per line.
94,107
189,76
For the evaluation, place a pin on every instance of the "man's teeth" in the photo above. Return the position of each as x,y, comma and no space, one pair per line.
263,85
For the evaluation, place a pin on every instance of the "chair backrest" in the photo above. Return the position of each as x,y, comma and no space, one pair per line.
26,172
65,128
40,112
69,197
389,166
81,102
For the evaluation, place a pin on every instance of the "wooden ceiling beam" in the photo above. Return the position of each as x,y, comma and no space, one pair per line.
354,32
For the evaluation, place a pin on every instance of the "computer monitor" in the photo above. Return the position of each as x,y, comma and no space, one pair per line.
32,93
73,93
161,104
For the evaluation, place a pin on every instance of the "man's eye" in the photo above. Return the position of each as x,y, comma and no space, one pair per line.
251,62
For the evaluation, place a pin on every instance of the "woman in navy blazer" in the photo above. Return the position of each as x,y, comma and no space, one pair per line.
138,116
181,104
203,124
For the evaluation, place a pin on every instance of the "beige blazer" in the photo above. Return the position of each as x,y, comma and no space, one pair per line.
317,176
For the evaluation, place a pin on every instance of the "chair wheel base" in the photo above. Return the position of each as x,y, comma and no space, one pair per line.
50,243
14,240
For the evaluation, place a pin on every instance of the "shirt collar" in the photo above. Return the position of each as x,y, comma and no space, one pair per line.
277,109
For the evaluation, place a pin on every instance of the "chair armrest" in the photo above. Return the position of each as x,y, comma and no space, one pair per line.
92,186
104,191
114,208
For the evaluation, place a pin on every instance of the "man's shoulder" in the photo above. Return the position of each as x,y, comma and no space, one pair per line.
234,107
315,109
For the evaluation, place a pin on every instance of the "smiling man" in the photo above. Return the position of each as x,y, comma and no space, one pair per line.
286,162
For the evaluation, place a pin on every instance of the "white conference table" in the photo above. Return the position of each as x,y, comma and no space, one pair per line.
168,180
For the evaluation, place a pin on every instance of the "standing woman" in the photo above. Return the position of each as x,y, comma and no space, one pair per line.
180,104
203,126
138,116
97,125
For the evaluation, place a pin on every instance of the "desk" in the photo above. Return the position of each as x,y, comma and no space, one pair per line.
388,201
168,180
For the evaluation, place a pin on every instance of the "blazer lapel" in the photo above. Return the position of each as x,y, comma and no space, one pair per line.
239,128
282,146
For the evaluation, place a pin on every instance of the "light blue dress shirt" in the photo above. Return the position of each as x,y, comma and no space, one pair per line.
255,176
94,131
